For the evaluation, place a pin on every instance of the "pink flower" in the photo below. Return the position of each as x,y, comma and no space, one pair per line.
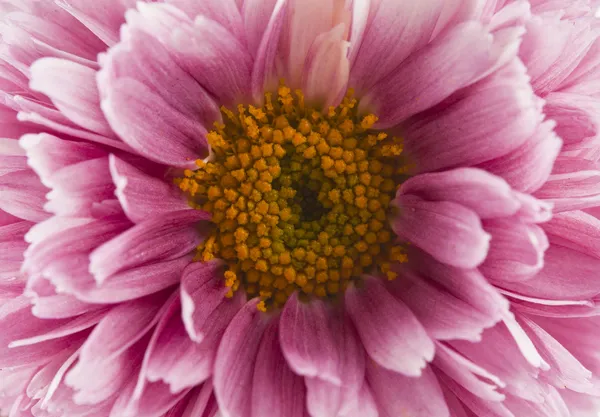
299,207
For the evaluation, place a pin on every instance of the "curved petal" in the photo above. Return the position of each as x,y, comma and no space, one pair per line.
142,196
486,194
426,223
391,334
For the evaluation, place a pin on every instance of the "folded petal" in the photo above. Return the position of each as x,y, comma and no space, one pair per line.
383,324
426,223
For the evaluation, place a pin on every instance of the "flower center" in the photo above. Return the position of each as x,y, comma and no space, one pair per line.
299,198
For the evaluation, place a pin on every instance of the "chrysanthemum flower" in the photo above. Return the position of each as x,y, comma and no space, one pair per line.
299,208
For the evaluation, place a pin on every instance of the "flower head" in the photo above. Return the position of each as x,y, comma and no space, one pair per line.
298,207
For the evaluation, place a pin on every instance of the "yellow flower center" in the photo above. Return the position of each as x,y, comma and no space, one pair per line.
299,198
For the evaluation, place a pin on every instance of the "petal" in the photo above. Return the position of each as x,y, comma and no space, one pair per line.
72,88
396,29
397,394
23,195
516,250
383,323
256,15
142,196
202,291
576,230
426,223
529,166
276,389
306,341
444,315
326,69
157,239
235,361
487,195
430,75
476,126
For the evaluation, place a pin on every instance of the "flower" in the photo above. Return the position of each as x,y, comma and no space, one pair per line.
298,207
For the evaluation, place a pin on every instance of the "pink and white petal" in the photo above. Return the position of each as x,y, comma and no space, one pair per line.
47,154
227,13
202,291
235,361
256,15
444,315
179,361
326,68
476,125
306,20
217,60
486,194
136,282
264,72
576,230
326,399
528,167
553,405
397,394
365,405
574,190
565,370
567,274
158,239
516,250
470,376
142,196
154,129
276,389
465,404
73,90
382,323
395,31
23,195
306,340
103,18
426,223
155,401
431,75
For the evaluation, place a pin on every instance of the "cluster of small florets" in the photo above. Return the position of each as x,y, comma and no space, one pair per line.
299,198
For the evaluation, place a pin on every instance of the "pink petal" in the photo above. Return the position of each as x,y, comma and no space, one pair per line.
47,154
23,195
383,323
156,239
476,125
263,72
307,342
396,30
235,361
141,195
553,405
326,69
276,389
136,282
365,405
256,15
576,230
217,60
432,74
103,18
426,223
470,376
444,315
178,360
516,250
72,88
487,195
397,394
202,290
224,12
528,167
326,399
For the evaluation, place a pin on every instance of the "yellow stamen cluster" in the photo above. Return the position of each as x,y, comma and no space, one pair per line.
299,198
